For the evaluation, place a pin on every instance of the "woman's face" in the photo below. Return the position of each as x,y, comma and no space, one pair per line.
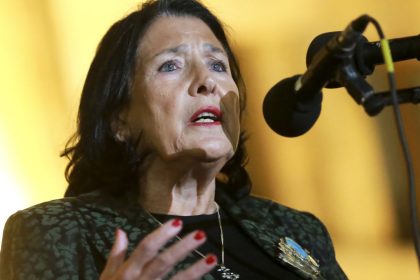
185,102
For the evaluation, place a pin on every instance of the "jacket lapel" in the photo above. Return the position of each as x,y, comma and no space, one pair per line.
252,215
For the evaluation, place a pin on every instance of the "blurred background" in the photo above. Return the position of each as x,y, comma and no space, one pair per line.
348,169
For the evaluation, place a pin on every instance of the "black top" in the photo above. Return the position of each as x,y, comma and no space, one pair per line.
242,255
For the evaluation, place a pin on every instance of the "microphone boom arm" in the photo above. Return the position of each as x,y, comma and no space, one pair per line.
405,95
361,91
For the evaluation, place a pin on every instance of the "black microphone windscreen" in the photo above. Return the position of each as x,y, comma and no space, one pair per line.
316,45
285,113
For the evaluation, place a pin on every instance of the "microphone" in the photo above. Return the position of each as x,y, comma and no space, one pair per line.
292,106
368,54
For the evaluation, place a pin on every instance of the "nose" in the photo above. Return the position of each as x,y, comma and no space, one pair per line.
203,83
208,86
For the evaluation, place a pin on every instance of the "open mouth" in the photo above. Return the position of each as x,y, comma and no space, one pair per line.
205,116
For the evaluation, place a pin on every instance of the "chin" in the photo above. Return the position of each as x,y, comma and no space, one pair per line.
207,150
212,153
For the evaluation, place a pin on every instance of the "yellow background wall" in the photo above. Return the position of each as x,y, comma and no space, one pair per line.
347,170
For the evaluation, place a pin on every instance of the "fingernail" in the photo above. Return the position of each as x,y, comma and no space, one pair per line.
211,259
177,222
199,235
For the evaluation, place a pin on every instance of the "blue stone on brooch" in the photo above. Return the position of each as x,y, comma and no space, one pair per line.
292,253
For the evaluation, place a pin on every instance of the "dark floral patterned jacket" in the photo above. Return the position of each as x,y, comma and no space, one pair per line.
70,238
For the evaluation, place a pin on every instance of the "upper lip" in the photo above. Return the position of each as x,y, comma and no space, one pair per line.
209,111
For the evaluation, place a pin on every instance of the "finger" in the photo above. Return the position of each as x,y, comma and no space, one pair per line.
117,255
150,246
166,260
198,270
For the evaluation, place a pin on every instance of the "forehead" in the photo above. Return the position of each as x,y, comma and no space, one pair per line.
168,32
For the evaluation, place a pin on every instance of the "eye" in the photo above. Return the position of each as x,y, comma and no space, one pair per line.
218,66
168,66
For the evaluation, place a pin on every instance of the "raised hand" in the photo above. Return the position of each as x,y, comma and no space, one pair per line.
146,262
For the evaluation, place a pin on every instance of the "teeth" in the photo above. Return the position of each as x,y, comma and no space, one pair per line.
206,117
204,121
206,114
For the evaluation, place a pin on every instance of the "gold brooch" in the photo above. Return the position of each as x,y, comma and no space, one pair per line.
292,253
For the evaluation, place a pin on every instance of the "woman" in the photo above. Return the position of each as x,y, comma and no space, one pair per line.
157,185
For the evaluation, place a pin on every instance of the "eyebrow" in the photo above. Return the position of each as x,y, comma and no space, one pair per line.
176,49
214,49
182,47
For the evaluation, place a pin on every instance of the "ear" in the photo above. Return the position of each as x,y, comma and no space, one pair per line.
120,128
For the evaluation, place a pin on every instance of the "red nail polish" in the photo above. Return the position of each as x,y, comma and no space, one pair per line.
199,235
176,223
211,259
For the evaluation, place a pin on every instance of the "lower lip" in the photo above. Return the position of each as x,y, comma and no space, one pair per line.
216,123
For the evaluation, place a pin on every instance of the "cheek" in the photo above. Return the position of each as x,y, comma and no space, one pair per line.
143,118
152,114
231,121
162,121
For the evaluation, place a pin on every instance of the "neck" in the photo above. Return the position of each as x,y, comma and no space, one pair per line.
176,189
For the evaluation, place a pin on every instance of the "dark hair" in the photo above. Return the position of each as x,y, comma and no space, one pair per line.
97,160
